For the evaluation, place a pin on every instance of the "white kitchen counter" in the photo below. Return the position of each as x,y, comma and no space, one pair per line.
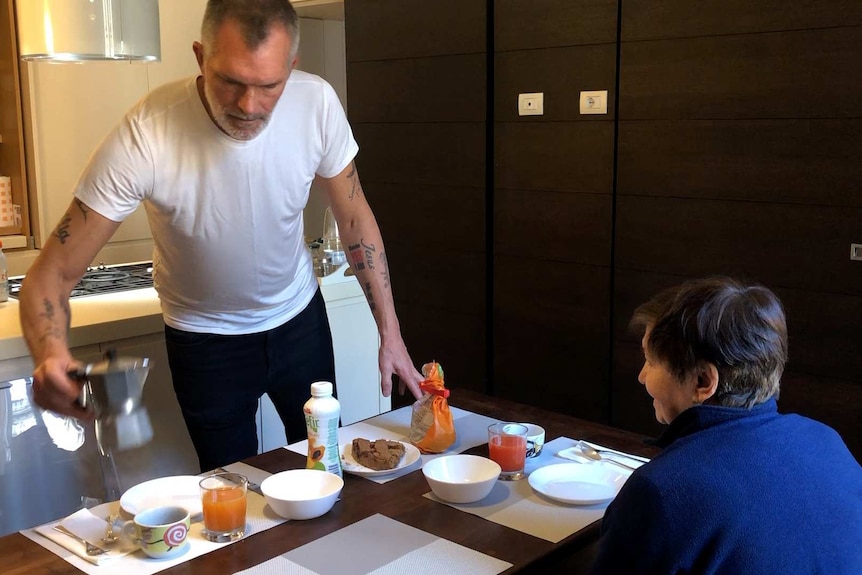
94,319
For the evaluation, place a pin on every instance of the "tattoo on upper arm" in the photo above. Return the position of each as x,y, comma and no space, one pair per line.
83,207
49,310
62,232
354,180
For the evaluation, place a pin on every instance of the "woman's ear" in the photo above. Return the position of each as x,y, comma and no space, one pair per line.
707,383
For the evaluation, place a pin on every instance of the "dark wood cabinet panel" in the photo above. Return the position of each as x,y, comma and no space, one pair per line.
388,29
439,89
823,327
434,154
553,226
811,161
632,288
781,245
631,405
776,75
448,280
551,335
647,19
525,24
571,156
560,74
456,340
430,217
831,401
824,333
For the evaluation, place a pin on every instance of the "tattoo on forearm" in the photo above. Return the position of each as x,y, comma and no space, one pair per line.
83,207
52,331
369,296
369,254
356,257
384,270
62,232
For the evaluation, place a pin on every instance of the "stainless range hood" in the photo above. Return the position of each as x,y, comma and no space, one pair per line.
82,30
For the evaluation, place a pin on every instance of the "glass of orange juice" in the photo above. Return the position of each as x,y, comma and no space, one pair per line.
507,445
224,497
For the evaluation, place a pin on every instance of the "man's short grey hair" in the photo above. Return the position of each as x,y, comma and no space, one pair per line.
256,19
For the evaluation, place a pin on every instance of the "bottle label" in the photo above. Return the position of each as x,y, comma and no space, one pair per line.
323,452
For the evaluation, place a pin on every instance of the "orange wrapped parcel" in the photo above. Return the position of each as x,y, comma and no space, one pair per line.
432,429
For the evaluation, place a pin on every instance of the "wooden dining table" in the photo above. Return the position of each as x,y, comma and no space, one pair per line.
401,499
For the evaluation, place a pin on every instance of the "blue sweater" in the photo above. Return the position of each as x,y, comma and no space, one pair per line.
737,492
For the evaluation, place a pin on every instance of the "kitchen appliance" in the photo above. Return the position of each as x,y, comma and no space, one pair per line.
114,388
103,279
81,30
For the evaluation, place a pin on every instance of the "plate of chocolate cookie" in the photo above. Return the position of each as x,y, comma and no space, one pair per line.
374,457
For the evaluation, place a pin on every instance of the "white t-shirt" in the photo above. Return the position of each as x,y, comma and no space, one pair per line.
226,215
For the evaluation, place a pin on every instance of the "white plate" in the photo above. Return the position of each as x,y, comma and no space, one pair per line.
578,483
411,456
181,490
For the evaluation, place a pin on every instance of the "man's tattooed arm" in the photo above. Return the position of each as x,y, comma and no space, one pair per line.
355,187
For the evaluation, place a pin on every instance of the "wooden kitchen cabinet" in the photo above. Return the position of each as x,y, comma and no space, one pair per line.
12,160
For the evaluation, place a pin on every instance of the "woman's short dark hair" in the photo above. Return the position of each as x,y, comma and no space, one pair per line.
738,328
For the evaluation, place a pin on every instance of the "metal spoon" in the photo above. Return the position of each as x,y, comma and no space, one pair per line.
90,548
594,454
110,537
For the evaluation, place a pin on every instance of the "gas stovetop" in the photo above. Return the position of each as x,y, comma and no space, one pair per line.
104,279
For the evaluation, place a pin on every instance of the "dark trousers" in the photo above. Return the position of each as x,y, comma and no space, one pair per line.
219,379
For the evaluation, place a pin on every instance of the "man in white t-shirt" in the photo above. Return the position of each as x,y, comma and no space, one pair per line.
223,164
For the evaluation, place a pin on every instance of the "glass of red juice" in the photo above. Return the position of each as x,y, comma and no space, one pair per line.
507,445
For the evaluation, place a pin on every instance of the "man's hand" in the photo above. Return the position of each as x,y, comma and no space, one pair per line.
54,390
394,359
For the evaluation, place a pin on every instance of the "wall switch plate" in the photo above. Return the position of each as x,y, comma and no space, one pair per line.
532,104
595,102
856,252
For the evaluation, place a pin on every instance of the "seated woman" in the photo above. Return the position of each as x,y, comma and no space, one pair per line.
738,488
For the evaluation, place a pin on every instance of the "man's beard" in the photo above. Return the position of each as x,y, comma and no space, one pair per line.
231,123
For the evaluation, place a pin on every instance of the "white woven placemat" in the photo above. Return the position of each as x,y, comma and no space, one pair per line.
360,551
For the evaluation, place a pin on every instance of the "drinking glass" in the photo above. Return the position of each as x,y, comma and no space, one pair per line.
333,251
507,445
224,497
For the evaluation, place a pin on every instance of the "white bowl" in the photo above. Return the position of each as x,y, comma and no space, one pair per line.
301,493
461,478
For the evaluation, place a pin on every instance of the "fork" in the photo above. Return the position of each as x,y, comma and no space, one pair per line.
90,548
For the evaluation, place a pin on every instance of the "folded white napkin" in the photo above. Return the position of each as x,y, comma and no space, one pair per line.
91,528
575,454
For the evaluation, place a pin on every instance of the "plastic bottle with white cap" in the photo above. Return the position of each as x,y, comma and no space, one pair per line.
4,276
322,414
